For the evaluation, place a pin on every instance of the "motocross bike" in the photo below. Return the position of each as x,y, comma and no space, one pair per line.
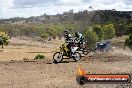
104,46
65,51
83,47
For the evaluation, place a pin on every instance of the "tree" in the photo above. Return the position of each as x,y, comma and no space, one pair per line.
130,28
121,29
4,39
109,31
99,31
91,37
128,41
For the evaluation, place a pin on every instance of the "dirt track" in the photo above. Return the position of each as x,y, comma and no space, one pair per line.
45,74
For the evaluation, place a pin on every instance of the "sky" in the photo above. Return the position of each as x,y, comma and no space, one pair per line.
27,8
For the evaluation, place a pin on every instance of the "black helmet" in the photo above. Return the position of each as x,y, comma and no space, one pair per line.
66,31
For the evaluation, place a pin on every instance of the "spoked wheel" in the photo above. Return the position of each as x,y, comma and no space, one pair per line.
58,57
77,56
85,51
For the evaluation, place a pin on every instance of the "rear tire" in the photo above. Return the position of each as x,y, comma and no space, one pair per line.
57,57
85,51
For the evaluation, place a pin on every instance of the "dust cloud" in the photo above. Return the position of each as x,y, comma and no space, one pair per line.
126,52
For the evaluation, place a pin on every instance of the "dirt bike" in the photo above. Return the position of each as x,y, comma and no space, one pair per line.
104,46
83,47
65,51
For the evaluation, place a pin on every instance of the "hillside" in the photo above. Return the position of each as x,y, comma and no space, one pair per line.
89,17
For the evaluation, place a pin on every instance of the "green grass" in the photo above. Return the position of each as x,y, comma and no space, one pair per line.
39,56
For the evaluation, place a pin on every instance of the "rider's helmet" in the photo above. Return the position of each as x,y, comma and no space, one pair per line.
67,36
66,32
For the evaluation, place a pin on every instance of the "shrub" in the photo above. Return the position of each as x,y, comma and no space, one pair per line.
121,29
39,57
44,35
128,41
4,39
130,28
99,31
52,32
91,38
109,31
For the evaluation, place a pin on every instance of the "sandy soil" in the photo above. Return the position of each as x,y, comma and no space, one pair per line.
28,48
45,74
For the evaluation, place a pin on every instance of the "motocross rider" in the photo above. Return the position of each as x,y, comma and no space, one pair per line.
67,36
79,38
68,40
